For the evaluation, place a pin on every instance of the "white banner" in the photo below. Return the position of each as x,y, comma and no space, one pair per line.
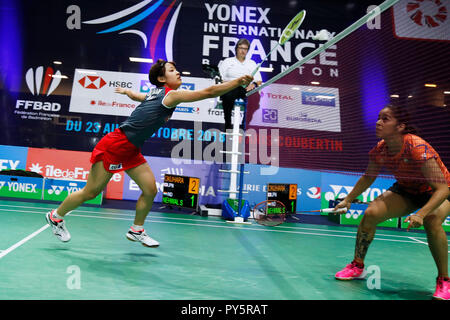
427,20
93,92
299,107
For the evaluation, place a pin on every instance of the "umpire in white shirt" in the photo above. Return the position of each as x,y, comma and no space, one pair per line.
235,67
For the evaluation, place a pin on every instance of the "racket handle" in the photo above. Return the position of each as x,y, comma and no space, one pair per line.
329,210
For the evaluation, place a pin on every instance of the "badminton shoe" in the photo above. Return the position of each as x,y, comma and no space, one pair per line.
350,272
142,237
58,227
442,289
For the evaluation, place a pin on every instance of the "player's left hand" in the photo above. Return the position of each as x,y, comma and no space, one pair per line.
414,220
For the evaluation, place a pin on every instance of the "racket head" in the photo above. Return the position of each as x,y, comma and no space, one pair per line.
292,26
269,213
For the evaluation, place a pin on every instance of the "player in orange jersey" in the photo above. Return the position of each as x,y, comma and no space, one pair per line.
422,184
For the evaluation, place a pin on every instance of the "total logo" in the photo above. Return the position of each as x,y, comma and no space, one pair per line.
41,83
270,95
431,13
340,192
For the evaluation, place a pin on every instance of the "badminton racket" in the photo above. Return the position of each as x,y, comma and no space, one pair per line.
287,34
326,210
269,213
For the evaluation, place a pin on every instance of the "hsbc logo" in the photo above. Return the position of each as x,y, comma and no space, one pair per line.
92,82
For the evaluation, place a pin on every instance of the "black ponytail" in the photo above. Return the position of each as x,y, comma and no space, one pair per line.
403,117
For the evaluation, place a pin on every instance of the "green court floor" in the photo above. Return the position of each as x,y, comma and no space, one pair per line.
200,258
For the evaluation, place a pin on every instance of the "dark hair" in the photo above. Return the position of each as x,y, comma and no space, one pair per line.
158,70
402,115
241,41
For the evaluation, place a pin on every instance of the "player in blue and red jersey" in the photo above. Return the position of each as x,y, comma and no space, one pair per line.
422,185
120,150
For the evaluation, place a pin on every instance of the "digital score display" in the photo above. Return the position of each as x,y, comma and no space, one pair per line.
285,193
181,191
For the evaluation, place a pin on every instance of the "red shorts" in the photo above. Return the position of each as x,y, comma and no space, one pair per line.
117,152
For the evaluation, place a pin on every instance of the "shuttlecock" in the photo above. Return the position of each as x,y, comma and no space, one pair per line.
322,35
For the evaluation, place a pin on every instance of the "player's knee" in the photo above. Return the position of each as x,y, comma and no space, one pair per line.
432,222
90,194
371,215
150,191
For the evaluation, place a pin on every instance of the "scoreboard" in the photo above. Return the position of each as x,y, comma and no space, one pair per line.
284,193
181,191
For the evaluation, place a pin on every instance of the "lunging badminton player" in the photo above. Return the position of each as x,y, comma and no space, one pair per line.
422,183
120,150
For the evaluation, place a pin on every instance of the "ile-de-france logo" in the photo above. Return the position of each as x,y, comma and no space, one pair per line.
123,20
430,13
40,82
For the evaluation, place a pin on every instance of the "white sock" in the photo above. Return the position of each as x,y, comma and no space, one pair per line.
137,228
56,216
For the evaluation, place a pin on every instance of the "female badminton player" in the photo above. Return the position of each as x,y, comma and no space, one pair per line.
120,150
422,184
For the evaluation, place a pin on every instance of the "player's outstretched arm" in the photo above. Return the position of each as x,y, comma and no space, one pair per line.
131,94
177,97
361,185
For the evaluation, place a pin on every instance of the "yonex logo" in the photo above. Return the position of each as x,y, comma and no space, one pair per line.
431,13
92,82
2,183
39,82
56,190
336,193
353,214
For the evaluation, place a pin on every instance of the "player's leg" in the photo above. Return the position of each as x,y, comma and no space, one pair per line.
97,180
437,242
386,206
145,179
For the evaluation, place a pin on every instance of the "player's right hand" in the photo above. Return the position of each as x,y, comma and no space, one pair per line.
120,90
245,80
344,204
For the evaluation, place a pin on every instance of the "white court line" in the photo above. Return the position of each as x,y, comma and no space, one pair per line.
418,240
21,242
192,224
218,222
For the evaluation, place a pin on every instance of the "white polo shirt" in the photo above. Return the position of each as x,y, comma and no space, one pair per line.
232,68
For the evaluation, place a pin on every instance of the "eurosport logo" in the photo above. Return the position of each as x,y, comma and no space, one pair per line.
40,82
92,82
270,115
319,99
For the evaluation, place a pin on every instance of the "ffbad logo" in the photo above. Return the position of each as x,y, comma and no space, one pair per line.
40,83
